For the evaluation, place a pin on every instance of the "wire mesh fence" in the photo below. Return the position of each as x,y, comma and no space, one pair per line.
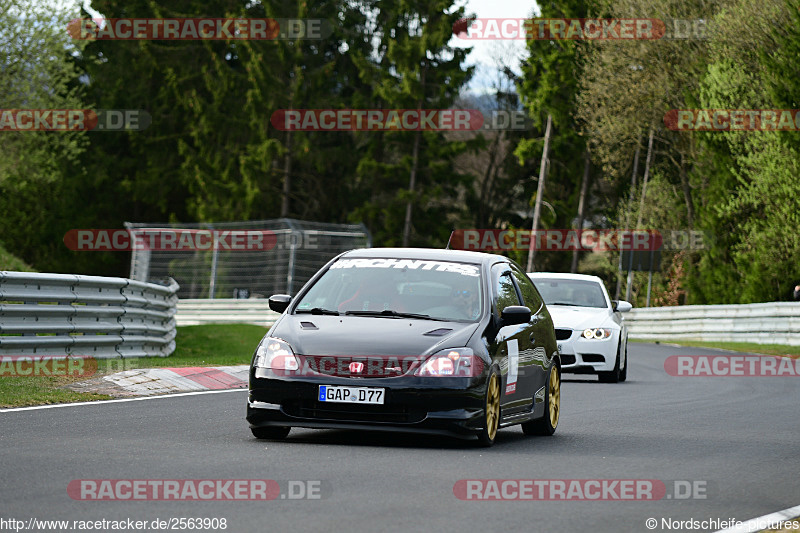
292,253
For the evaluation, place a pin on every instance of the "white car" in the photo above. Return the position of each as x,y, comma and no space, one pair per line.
590,331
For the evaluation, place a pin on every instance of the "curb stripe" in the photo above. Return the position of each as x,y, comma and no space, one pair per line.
120,400
210,378
753,525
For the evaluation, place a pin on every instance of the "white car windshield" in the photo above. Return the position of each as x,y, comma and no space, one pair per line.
439,290
571,292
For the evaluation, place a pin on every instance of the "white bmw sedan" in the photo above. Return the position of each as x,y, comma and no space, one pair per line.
590,331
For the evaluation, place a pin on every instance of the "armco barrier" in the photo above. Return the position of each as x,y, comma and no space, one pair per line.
225,311
93,316
762,323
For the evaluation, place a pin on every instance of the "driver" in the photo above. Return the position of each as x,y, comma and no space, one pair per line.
466,300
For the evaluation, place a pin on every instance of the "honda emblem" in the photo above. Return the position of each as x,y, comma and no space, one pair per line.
356,367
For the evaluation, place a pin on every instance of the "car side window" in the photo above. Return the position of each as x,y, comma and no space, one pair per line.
532,299
506,292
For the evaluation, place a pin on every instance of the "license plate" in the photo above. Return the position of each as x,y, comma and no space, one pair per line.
336,394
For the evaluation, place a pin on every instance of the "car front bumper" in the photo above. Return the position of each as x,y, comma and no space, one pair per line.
588,356
450,406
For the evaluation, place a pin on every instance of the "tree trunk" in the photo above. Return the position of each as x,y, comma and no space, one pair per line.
618,291
412,179
287,176
647,162
687,193
537,209
629,288
581,208
411,185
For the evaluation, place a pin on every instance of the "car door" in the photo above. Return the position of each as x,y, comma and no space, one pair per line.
542,338
510,342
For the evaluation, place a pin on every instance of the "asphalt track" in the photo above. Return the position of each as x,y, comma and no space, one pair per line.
740,437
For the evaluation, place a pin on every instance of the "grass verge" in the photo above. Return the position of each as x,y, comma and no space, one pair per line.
747,347
9,261
209,345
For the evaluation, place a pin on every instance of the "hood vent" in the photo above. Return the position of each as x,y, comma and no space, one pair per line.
308,325
441,332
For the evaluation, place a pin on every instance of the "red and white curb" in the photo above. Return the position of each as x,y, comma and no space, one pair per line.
150,381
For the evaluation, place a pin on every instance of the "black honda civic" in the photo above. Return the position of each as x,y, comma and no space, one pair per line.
398,339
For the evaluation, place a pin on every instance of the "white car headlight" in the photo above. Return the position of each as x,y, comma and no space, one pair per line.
275,354
596,333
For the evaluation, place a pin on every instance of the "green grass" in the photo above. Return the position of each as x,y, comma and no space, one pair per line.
24,391
212,345
747,347
9,261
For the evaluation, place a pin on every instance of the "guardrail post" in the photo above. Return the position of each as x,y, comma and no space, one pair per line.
212,286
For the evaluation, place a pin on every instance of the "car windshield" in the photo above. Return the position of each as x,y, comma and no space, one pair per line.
571,292
386,288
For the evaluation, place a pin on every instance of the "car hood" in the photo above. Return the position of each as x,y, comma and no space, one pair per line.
574,317
353,335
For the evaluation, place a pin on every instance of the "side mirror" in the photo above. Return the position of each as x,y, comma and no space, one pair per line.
279,302
515,314
621,305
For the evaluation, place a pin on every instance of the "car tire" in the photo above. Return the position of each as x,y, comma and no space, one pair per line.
552,407
271,432
623,374
491,410
614,375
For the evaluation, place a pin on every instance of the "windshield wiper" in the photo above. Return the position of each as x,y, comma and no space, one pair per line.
563,303
318,311
393,314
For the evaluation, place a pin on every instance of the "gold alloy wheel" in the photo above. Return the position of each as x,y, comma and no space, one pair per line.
492,406
555,396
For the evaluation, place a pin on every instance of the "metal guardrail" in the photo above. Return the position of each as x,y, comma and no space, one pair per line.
92,316
762,323
225,311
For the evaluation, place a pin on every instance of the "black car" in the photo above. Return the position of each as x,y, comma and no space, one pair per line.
398,339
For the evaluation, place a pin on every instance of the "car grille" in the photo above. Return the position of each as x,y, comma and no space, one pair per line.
563,334
567,359
353,412
593,358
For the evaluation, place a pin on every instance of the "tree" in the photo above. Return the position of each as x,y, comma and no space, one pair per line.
37,64
406,178
549,86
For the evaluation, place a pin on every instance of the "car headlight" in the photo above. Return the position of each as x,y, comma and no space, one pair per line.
275,354
596,333
452,362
